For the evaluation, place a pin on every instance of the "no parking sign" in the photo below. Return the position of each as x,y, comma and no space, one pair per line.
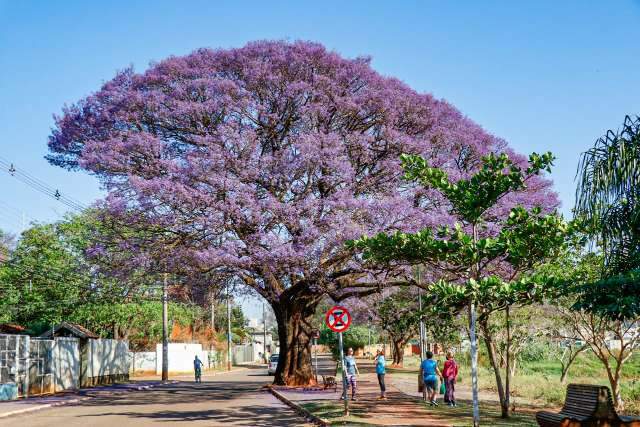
338,319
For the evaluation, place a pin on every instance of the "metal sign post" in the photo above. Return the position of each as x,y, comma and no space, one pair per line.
338,320
345,399
315,335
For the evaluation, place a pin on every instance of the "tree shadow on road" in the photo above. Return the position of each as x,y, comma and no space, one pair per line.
218,393
240,415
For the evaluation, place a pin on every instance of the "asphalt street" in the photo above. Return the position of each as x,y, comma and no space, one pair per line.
233,399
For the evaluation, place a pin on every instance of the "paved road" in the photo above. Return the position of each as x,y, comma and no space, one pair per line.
233,399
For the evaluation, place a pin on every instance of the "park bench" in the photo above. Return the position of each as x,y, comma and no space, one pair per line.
586,405
329,381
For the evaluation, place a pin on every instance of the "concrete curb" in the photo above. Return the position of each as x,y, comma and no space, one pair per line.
41,407
72,401
299,409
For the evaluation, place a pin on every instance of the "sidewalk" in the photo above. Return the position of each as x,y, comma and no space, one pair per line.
398,410
21,406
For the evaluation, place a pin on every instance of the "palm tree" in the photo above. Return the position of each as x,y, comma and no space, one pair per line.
608,196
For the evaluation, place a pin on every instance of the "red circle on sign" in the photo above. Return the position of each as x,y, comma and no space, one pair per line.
338,319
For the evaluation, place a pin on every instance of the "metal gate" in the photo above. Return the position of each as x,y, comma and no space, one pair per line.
27,363
14,361
41,375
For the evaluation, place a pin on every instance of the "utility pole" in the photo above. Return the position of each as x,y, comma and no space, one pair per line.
228,328
213,313
165,329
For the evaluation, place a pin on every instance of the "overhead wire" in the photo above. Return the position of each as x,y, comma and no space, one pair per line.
39,185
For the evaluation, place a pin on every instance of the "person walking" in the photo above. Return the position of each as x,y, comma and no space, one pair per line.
380,371
351,369
450,375
197,367
430,373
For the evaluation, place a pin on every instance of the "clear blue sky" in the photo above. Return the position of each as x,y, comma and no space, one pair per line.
544,75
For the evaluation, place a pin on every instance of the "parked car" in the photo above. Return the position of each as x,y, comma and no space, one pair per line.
273,364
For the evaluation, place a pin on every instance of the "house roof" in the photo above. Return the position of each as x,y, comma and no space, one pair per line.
11,328
69,329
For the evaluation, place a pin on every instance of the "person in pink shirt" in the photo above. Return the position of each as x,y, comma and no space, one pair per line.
450,374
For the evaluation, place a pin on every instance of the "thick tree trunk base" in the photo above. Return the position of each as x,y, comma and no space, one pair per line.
294,333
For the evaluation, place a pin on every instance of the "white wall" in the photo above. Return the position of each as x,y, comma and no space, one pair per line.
181,357
142,361
105,357
66,363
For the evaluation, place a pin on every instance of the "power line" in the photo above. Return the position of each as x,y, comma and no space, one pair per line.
39,185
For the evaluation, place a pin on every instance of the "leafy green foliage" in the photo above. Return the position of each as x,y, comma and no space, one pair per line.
355,337
608,195
43,280
492,269
471,198
616,297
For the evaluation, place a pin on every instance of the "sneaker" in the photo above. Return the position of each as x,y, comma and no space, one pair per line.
354,399
434,403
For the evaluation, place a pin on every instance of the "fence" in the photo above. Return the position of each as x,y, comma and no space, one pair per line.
242,354
31,366
104,361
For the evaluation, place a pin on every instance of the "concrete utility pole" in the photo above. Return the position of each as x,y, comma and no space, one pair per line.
213,313
228,328
165,330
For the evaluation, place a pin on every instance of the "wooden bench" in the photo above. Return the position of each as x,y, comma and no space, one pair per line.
329,382
586,405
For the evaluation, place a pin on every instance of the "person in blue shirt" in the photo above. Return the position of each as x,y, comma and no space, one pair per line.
197,367
430,374
351,369
380,371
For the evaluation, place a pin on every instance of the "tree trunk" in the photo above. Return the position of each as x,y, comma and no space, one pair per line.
563,375
294,316
566,365
495,364
506,405
398,353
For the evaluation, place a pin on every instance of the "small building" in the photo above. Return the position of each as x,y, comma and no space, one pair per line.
257,339
70,330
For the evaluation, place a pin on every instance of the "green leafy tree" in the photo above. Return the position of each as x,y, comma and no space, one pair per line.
355,337
478,267
398,314
43,280
612,338
608,199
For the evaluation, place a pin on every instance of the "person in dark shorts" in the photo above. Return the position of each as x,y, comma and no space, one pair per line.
450,374
430,374
381,371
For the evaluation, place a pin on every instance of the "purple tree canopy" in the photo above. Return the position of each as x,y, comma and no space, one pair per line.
262,161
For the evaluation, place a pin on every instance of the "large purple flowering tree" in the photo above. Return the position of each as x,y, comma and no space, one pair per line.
259,163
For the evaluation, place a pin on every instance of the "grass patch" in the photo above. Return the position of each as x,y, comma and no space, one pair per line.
458,417
333,411
539,382
461,416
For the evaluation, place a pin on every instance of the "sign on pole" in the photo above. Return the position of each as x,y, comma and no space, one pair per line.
338,320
